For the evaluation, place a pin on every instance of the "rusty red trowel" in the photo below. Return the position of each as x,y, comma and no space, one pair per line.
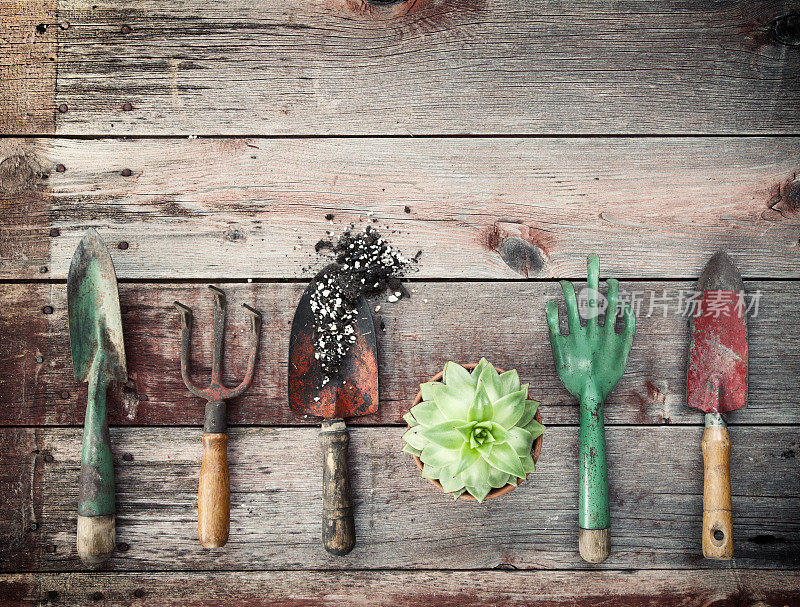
351,392
717,384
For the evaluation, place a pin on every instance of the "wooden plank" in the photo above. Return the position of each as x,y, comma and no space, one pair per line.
25,203
402,521
28,48
416,67
442,321
409,589
478,208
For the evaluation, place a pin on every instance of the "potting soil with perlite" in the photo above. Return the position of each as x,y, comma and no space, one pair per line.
365,265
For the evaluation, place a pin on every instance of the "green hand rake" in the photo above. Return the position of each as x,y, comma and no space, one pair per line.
590,360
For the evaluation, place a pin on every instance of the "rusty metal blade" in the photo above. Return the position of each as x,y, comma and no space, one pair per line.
95,321
718,353
354,390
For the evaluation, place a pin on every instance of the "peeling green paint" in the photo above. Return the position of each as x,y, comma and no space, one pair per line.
590,360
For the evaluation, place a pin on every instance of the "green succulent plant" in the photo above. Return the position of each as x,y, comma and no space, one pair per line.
473,431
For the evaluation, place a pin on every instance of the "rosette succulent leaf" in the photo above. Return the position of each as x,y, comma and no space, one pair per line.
473,431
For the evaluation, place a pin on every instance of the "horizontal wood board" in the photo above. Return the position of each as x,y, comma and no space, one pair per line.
505,208
503,321
413,589
402,521
332,67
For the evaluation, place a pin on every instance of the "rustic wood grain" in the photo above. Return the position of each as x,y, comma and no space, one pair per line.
503,321
28,48
427,67
410,589
477,208
402,522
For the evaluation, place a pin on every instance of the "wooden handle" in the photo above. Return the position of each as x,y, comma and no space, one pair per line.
96,538
594,544
214,494
338,527
717,511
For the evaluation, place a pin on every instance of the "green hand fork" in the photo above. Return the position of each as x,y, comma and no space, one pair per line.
590,361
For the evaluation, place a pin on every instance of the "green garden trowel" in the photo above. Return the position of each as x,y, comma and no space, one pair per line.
590,361
98,357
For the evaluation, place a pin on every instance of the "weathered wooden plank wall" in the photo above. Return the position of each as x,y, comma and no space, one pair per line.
655,492
477,208
461,321
496,66
391,588
652,133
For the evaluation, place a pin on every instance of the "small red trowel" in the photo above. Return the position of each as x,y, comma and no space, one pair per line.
351,392
717,384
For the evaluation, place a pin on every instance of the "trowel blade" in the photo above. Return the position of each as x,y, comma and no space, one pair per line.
353,391
718,353
95,321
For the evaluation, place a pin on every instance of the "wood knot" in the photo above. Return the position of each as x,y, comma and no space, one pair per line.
381,9
517,247
19,173
785,197
786,29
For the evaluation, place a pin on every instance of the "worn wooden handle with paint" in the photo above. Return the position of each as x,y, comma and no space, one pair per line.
338,526
717,509
96,538
214,494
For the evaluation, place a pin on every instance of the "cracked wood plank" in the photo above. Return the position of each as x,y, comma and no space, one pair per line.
477,208
410,589
503,321
326,67
402,521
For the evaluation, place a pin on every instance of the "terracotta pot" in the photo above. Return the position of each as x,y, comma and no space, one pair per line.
536,450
